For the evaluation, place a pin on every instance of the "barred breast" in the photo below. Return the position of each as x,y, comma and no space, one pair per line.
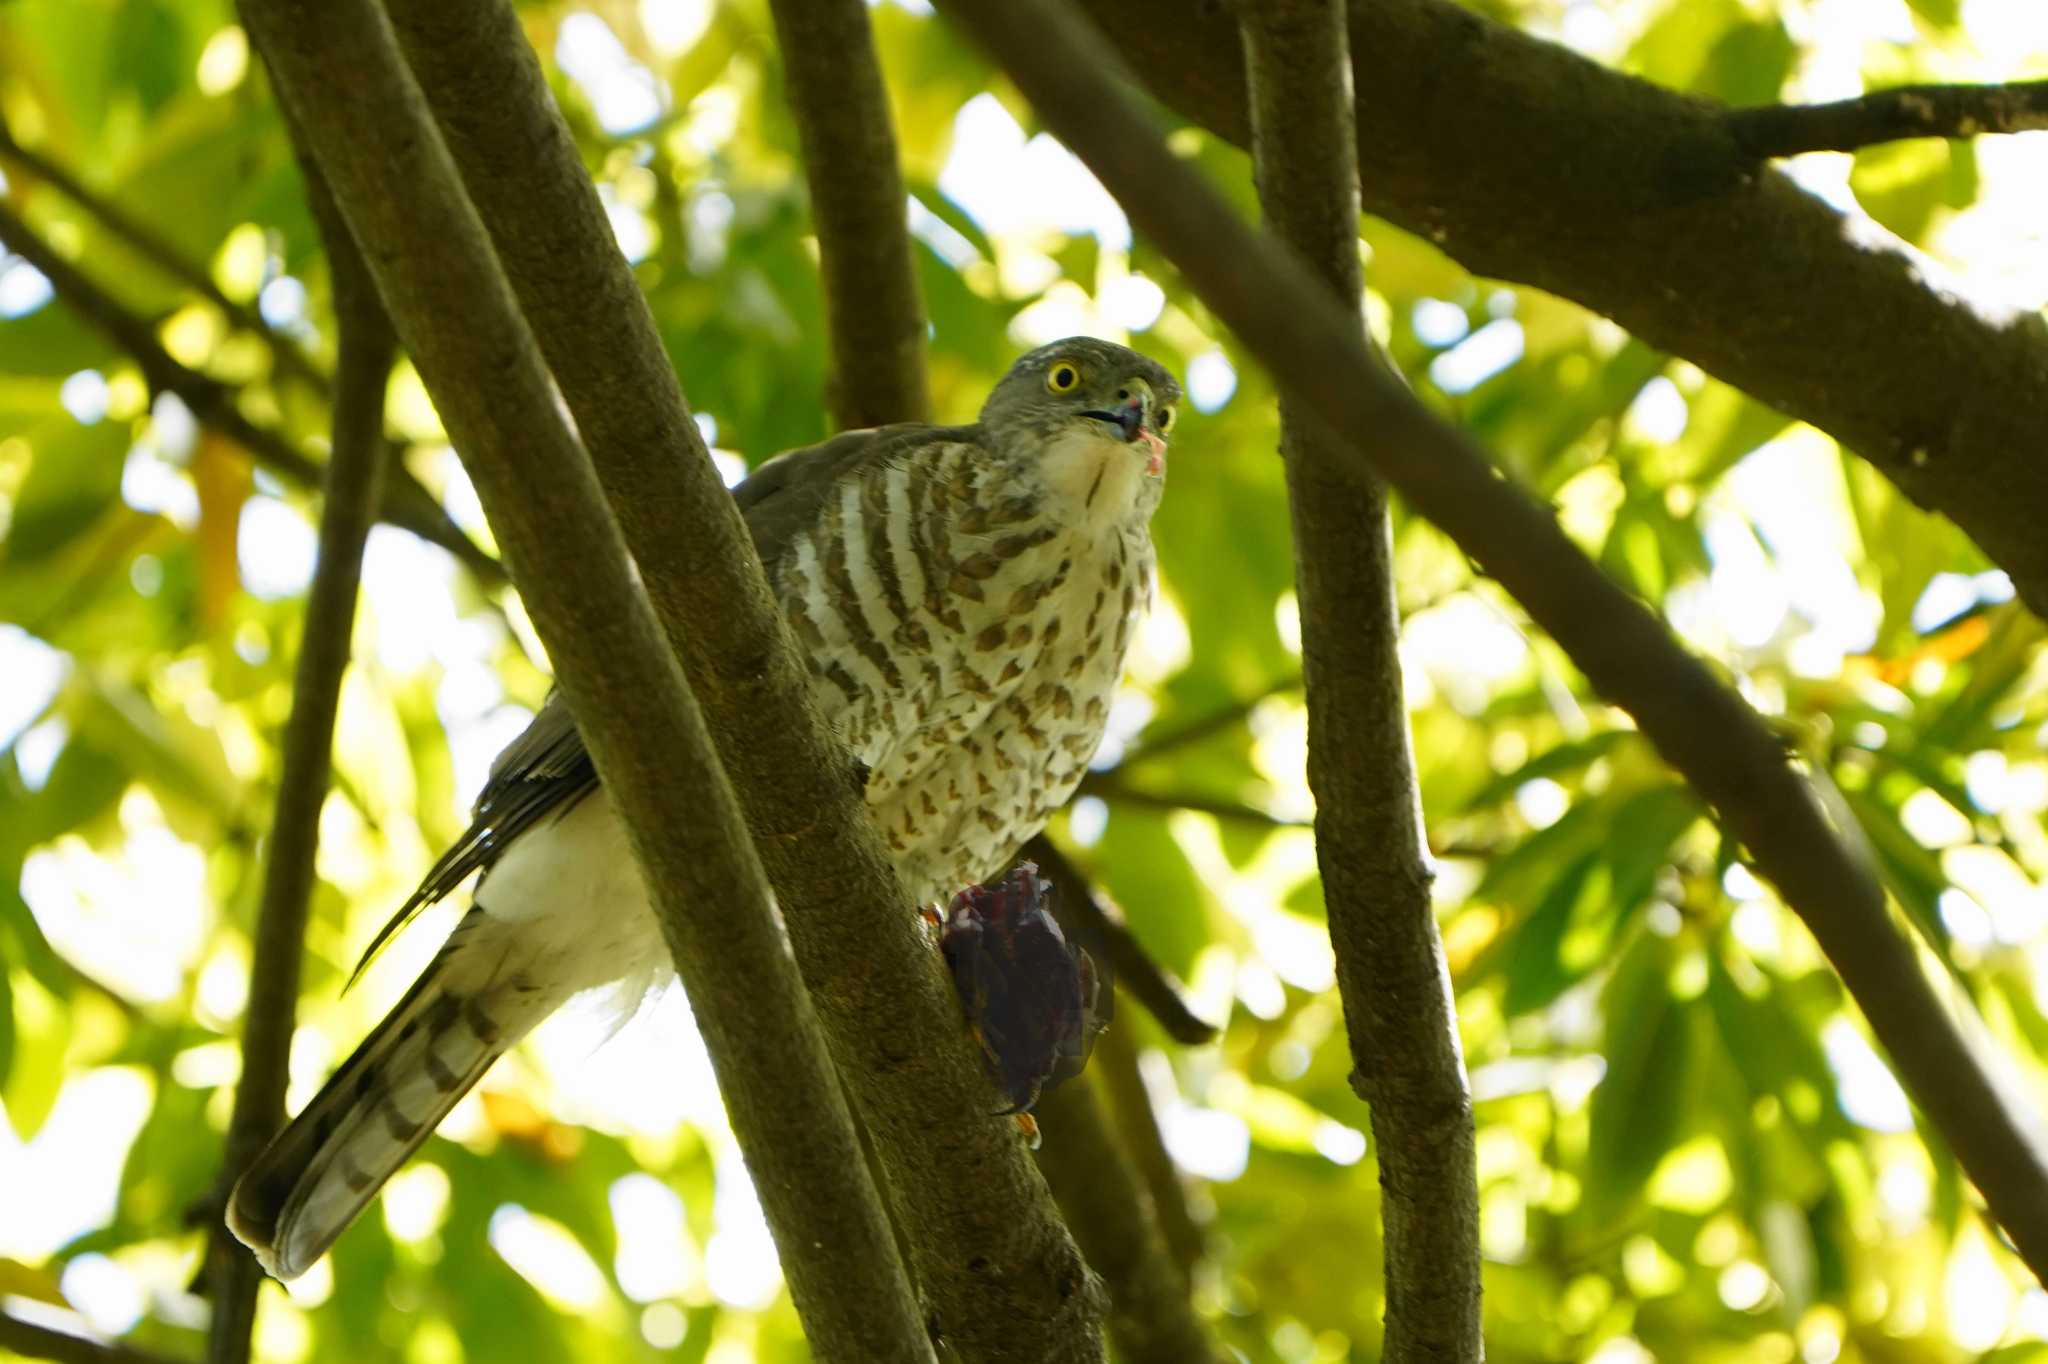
966,622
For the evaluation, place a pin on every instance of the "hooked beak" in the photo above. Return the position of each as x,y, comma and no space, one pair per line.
1131,421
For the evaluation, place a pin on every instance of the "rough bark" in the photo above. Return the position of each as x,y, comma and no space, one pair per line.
338,69
1151,1318
1702,727
834,84
354,476
1391,974
993,1252
1527,162
1889,115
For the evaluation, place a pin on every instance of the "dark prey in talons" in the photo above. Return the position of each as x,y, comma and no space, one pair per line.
1031,997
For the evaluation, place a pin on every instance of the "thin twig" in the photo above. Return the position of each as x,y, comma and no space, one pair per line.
1151,745
1110,787
355,471
337,64
1130,965
33,1341
1890,115
1151,1318
834,83
1001,1276
1376,874
1314,348
404,502
148,243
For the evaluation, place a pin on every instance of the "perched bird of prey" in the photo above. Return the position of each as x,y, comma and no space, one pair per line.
964,596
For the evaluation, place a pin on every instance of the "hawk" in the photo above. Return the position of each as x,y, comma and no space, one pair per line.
964,596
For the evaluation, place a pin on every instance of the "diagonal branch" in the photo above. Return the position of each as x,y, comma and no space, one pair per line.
1001,1276
1369,842
404,502
1525,161
1109,785
31,1340
1316,351
148,243
1115,1064
1151,1318
834,85
1890,115
354,476
338,66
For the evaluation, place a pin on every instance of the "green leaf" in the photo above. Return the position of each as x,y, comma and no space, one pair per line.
1640,1107
1902,184
1748,64
6,1026
74,479
1534,948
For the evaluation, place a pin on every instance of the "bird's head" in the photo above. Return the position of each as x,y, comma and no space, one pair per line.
1108,396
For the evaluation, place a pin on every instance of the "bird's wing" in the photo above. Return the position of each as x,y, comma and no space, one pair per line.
785,496
546,770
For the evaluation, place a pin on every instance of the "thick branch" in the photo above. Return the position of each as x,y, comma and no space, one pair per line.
1315,350
1001,1276
338,67
1888,116
404,502
354,477
148,243
1527,162
1151,1317
834,84
1130,965
32,1341
1369,842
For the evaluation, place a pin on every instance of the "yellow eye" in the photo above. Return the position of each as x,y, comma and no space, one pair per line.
1165,420
1063,378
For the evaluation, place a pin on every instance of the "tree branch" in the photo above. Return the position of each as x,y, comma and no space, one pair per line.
1150,745
1115,1064
1527,162
1369,843
404,503
834,85
1108,785
337,65
1316,351
1001,1276
148,243
33,1341
1130,965
1890,115
1151,1318
355,472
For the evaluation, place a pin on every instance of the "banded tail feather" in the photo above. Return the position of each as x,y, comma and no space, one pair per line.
329,1162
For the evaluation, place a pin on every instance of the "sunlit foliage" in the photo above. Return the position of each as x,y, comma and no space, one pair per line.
1688,1147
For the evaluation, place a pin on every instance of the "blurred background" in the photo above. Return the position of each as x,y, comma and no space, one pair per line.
1688,1148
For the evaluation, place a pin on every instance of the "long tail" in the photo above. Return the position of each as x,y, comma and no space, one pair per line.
324,1168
